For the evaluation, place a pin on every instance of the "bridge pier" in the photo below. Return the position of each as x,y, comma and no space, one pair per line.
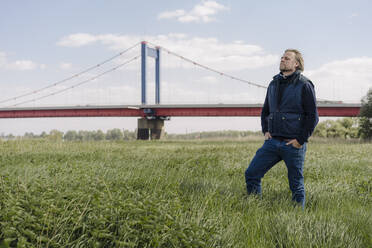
150,129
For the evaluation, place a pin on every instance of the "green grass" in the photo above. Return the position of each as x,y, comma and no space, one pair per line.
179,194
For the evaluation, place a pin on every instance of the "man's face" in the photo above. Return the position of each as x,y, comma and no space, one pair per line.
288,62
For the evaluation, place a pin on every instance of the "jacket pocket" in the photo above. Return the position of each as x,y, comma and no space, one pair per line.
290,124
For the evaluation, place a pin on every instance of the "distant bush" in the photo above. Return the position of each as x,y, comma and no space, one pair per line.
346,128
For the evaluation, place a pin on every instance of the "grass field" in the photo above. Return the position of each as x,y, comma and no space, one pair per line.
179,194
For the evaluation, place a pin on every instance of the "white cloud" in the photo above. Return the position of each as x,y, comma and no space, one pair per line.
208,79
202,12
115,42
346,80
225,56
65,66
77,40
171,14
22,65
19,65
2,59
353,15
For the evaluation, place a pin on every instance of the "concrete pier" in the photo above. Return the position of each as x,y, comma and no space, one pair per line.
150,129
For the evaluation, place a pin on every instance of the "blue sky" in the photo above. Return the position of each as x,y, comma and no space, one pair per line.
45,41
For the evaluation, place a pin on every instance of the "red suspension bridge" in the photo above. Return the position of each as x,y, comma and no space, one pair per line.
151,116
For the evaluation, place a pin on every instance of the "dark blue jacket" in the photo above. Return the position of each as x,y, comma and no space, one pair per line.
290,111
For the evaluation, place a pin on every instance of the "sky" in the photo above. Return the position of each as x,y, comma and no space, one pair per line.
45,41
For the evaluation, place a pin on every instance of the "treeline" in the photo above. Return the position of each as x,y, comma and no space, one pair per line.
345,128
213,134
118,134
56,135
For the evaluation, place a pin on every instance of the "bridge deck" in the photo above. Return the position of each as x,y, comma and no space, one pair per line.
341,110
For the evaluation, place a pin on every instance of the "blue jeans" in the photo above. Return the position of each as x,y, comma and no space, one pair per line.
267,156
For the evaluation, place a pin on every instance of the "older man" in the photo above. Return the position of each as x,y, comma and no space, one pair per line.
288,118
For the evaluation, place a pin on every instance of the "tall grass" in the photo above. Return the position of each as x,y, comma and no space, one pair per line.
179,194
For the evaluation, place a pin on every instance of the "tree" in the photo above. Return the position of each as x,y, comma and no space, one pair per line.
128,135
83,135
43,135
99,135
342,128
366,116
29,135
70,135
55,135
10,137
351,127
114,134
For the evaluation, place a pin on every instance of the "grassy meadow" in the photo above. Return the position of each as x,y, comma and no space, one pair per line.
179,194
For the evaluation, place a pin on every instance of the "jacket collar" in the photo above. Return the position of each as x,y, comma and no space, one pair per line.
281,76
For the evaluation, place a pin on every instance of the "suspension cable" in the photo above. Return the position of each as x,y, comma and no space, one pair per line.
71,77
209,68
78,84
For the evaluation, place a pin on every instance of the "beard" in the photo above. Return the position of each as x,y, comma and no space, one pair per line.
284,68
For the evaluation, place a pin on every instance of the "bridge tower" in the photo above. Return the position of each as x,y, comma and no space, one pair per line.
150,126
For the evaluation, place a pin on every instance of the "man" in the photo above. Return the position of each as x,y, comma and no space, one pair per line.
288,118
